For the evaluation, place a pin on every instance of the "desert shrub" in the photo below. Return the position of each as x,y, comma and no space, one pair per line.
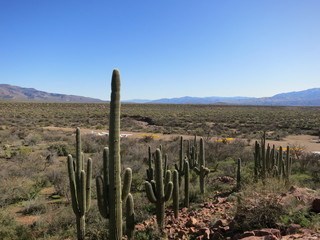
14,190
61,222
10,229
60,148
34,207
263,213
59,179
93,143
32,139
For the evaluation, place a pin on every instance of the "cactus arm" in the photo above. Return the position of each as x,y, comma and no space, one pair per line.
126,184
102,204
130,217
168,192
167,177
82,198
88,184
78,152
73,186
196,170
150,194
175,195
186,183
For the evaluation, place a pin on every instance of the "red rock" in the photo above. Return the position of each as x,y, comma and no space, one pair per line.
252,238
267,232
191,222
246,234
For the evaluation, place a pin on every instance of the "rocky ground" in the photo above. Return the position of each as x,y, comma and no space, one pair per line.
216,219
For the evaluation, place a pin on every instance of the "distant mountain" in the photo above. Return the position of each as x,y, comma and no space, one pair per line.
310,97
15,93
198,100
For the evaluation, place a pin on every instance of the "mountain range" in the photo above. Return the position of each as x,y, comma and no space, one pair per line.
15,93
310,97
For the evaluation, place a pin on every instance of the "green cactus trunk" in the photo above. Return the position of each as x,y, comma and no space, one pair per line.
115,225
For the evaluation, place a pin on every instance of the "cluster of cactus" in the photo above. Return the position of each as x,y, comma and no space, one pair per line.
268,162
160,189
80,186
109,194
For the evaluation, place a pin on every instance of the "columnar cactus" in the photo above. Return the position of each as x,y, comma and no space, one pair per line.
181,160
202,171
186,183
110,193
161,191
175,195
80,186
268,162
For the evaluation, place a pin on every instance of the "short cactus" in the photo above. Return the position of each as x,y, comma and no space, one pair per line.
202,171
160,190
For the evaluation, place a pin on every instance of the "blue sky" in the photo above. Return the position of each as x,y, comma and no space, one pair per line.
163,49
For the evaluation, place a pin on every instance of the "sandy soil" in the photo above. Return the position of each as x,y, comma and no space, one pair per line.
306,142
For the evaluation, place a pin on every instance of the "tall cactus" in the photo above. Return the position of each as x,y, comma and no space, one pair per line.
161,191
80,186
202,171
110,193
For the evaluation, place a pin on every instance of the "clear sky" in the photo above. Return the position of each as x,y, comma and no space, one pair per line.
163,48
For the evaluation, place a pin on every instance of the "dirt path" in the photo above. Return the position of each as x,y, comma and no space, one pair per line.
306,142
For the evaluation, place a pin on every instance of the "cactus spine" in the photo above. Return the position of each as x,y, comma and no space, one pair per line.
80,186
175,195
159,192
202,171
